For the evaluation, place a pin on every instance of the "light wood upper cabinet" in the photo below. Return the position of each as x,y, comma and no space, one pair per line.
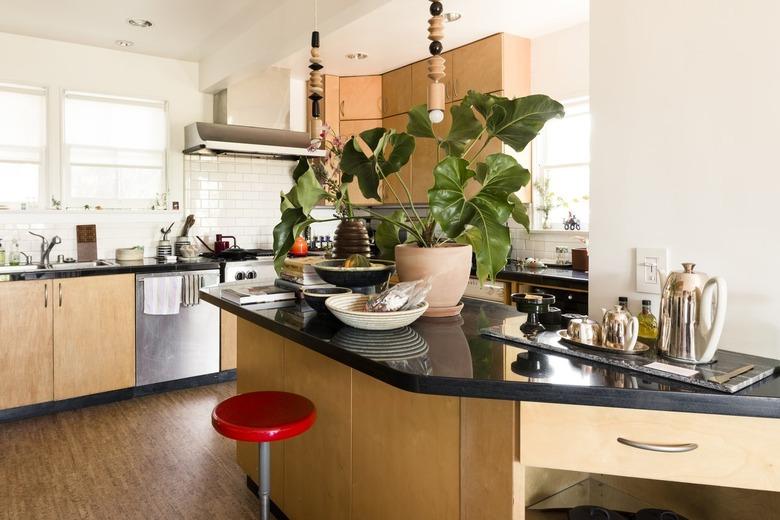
94,335
397,91
393,188
350,129
477,66
26,343
361,97
330,110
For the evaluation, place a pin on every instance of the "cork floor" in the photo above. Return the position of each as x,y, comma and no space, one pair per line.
154,457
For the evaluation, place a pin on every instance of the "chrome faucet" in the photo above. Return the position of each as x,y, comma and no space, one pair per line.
46,248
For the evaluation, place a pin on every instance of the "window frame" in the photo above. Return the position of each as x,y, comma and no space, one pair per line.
43,173
65,152
539,170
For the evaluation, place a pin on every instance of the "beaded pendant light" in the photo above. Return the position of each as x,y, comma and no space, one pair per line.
436,89
316,85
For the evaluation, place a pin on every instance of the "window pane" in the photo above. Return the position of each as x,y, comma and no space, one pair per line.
93,182
570,186
23,117
567,140
19,182
114,124
107,156
136,183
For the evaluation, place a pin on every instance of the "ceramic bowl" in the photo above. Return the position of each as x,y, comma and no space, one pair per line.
316,296
349,309
334,273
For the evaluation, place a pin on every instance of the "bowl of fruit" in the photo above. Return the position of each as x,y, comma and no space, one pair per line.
356,272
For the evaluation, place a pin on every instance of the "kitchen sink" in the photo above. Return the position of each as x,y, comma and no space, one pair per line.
7,269
83,265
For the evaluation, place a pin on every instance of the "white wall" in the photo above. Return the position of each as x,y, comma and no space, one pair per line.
686,119
59,66
560,63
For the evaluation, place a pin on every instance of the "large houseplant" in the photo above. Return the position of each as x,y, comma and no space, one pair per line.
453,217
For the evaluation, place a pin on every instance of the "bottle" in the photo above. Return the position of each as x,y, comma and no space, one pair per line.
648,324
623,302
14,257
2,253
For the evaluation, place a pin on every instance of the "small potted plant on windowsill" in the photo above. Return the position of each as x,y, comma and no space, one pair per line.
440,243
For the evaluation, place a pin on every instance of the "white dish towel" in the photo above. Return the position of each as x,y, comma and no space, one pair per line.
162,295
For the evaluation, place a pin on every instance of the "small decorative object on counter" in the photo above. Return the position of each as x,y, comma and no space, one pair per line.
579,259
648,324
619,328
359,279
350,309
623,302
56,204
351,237
572,223
689,329
400,297
300,247
533,305
584,330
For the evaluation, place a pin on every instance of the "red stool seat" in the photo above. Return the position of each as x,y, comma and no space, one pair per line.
263,416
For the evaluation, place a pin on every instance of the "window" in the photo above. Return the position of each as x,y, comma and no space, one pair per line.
113,150
22,144
562,169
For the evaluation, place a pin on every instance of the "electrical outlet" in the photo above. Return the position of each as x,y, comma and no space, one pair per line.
650,263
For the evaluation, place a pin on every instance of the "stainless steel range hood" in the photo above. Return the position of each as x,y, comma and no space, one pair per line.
220,139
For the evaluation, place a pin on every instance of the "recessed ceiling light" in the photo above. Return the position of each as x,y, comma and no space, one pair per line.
124,43
140,22
452,17
357,56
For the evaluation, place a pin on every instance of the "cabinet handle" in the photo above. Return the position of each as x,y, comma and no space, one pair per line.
46,296
341,108
663,448
60,291
455,89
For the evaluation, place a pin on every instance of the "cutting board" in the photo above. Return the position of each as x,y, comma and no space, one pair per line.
86,243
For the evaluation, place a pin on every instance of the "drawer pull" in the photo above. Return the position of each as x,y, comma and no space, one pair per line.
60,291
663,448
46,296
341,108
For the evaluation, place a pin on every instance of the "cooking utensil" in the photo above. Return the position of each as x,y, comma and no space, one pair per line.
165,232
619,329
639,348
584,330
689,327
728,376
222,244
185,231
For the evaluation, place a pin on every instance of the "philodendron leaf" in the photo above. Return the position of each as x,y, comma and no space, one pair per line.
480,220
290,227
301,168
355,164
482,103
370,170
420,123
519,214
465,128
386,237
402,150
305,194
516,122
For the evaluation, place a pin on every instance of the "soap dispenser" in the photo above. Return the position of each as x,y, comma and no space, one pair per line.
2,253
14,257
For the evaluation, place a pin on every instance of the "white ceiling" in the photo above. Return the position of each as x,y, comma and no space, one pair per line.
183,29
396,33
247,35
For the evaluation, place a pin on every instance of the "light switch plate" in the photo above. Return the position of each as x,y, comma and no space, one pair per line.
649,261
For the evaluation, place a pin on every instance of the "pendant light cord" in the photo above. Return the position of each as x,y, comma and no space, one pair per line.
316,14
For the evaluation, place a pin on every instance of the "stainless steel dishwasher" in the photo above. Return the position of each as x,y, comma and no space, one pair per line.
179,345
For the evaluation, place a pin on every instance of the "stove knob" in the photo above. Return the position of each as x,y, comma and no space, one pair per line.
239,275
251,275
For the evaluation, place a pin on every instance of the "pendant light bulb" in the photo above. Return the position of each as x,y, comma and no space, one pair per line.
437,116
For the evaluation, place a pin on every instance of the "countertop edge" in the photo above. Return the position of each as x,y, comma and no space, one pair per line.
52,274
703,403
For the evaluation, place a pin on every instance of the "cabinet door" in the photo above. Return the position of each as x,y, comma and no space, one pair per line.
397,91
478,66
25,343
393,186
330,110
350,129
94,335
420,80
361,97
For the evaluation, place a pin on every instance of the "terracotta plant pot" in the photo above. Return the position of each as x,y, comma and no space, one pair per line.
448,267
350,238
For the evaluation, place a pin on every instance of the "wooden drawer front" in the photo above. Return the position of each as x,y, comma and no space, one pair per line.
731,451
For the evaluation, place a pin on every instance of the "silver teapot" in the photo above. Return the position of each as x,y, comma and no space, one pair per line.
691,321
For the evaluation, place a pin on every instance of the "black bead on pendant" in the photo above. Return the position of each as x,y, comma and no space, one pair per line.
436,48
436,8
315,39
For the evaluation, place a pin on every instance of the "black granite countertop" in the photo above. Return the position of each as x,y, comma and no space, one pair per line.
147,265
450,357
564,278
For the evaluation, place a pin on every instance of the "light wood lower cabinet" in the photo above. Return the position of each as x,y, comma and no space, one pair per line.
94,335
228,325
25,343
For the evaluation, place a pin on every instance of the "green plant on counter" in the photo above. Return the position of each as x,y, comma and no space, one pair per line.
479,219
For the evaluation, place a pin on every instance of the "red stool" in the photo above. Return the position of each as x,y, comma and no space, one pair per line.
263,417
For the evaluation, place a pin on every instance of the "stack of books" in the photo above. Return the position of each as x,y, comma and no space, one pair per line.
298,274
259,294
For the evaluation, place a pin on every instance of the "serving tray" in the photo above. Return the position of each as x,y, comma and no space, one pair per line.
640,348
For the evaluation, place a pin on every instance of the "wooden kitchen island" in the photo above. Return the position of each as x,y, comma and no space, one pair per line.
455,425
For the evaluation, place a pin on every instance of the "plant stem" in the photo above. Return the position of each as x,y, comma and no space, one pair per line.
487,141
476,140
408,228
